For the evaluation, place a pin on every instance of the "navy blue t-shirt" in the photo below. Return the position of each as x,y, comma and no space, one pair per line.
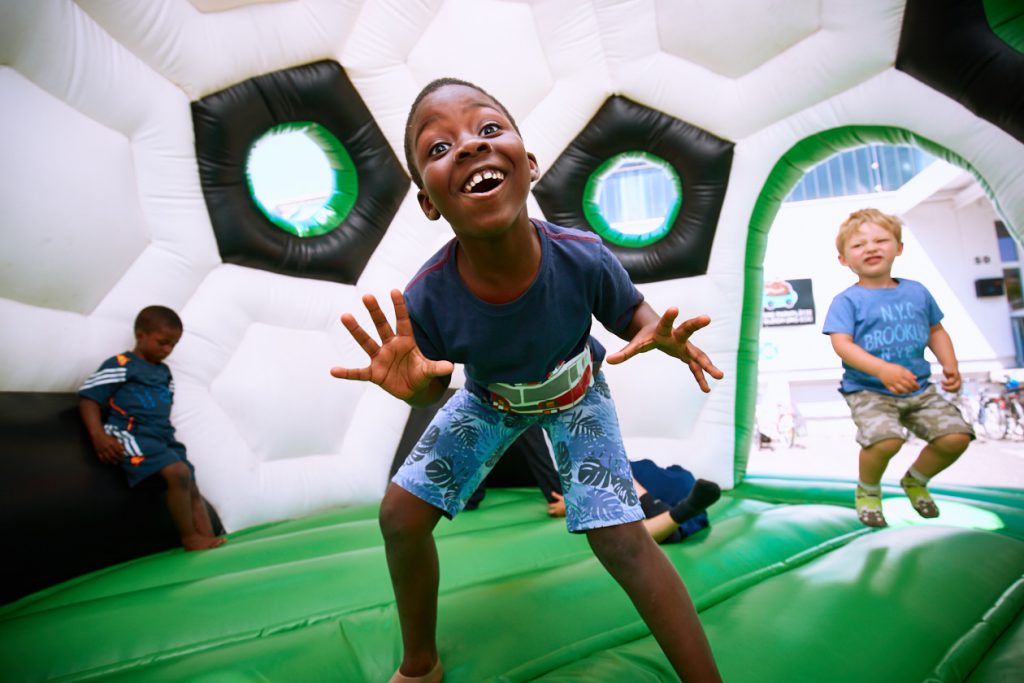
525,339
135,390
892,323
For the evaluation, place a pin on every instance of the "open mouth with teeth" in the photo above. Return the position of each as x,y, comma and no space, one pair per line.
483,181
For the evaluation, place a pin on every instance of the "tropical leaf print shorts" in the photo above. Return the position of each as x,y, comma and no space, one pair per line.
467,437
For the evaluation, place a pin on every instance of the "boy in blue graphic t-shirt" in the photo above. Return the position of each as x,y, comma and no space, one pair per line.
879,328
137,389
513,300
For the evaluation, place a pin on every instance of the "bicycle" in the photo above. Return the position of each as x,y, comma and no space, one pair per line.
992,416
1001,415
1014,408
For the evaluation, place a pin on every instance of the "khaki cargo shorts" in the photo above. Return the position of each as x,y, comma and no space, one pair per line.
927,414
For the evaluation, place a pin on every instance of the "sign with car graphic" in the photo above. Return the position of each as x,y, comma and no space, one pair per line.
787,302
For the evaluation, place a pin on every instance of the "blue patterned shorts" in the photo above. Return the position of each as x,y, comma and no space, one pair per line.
467,437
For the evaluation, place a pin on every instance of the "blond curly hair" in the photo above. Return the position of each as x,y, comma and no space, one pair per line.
858,218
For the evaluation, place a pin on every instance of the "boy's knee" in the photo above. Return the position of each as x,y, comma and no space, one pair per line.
951,444
403,514
885,448
177,475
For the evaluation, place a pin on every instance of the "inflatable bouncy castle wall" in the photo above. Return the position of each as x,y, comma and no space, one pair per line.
127,127
125,147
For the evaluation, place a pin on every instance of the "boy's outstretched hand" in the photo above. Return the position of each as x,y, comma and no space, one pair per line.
659,334
396,364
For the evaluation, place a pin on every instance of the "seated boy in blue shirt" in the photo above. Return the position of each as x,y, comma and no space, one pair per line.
137,388
880,328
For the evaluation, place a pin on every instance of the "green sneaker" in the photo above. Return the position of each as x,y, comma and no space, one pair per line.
869,508
919,496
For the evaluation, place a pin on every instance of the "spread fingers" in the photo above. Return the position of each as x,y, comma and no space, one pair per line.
380,321
365,341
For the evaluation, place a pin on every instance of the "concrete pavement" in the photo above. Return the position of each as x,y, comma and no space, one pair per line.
987,462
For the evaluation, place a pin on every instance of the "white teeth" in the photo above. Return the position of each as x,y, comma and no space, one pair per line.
479,177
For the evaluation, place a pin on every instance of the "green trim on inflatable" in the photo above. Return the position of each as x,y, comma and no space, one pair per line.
345,186
1006,19
592,208
788,170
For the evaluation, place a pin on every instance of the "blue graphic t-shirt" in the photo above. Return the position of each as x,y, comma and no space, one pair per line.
892,323
137,392
525,339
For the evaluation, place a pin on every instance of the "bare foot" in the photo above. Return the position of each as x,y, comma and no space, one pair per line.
198,542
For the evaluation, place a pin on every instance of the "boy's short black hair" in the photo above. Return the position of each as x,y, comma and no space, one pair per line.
153,318
433,86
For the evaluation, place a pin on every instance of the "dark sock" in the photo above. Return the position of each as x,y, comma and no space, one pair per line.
652,506
703,495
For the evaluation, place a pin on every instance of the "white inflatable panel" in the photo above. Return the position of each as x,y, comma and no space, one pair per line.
124,224
206,52
222,5
734,37
256,353
55,211
663,414
825,63
496,66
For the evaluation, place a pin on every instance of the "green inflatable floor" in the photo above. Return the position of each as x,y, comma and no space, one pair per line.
789,585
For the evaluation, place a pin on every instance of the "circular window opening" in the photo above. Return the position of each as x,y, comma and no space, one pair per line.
633,199
302,178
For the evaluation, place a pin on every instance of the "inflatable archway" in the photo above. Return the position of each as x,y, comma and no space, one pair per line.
113,199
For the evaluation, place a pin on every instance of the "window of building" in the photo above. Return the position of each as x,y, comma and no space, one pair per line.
862,170
1009,254
1007,244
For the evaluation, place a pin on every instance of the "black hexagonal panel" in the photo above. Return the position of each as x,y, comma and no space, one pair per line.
227,123
701,160
949,45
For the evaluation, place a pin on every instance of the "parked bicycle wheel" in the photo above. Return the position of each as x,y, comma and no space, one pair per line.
1015,413
993,418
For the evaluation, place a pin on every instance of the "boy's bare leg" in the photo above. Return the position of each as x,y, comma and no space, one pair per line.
934,457
661,527
407,523
200,515
875,458
630,555
179,504
941,453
